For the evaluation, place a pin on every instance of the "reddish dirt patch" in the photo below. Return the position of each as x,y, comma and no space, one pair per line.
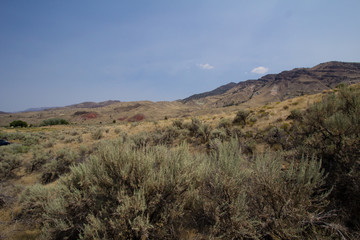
137,118
122,118
90,115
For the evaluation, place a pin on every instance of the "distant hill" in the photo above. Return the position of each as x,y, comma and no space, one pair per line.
282,86
94,104
38,109
3,112
217,91
226,98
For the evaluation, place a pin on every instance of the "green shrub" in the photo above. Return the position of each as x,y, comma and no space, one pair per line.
9,161
18,123
204,133
225,123
141,140
194,127
33,201
296,115
276,136
54,121
49,144
218,134
156,193
331,130
59,165
288,202
120,194
39,158
168,135
240,118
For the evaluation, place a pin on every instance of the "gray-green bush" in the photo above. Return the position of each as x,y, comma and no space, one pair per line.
122,192
330,130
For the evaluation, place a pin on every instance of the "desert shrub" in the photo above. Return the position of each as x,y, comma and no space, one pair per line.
225,123
249,146
218,134
117,130
288,202
80,139
39,158
33,201
120,194
252,119
27,139
54,121
194,126
74,133
169,135
18,123
155,193
69,140
9,161
83,150
296,115
260,199
204,133
49,144
199,130
223,196
141,140
276,136
240,118
262,113
31,139
279,120
236,132
285,127
331,130
59,165
97,134
178,123
18,148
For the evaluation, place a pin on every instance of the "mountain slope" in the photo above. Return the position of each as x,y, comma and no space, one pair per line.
282,86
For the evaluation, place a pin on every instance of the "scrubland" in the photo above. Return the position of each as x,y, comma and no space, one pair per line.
286,170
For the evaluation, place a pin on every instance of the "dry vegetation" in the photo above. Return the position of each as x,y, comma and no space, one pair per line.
285,170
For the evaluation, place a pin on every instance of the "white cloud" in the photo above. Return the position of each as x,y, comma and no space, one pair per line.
206,66
260,70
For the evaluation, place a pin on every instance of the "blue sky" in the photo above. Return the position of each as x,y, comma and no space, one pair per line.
56,53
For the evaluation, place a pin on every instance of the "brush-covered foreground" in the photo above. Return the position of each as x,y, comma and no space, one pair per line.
251,175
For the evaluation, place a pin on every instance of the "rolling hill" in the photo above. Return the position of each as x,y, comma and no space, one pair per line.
282,86
224,99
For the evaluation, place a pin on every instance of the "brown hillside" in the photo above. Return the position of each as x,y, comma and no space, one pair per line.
282,86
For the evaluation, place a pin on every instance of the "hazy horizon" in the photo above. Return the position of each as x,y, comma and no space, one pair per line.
58,53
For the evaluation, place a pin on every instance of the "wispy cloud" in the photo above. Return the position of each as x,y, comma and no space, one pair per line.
206,66
260,70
